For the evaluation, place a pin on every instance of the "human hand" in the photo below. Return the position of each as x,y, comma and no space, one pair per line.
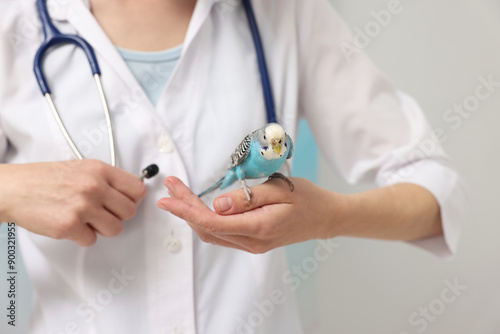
276,216
71,200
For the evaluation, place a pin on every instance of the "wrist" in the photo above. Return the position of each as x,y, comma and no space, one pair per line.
336,215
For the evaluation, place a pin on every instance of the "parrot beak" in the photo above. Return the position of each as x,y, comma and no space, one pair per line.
277,148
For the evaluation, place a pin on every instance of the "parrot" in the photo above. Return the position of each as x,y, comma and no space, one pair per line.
260,154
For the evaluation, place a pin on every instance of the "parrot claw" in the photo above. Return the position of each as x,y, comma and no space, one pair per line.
248,192
284,178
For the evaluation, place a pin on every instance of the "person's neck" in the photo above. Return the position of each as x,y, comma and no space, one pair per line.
144,25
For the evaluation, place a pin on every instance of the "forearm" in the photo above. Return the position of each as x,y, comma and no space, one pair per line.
5,180
397,212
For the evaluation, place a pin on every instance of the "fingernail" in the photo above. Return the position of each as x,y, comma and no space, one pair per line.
224,204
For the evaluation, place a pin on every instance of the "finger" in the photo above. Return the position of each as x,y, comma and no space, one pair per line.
243,243
193,217
84,235
119,205
186,211
106,224
271,192
207,220
217,241
180,191
128,184
254,246
240,242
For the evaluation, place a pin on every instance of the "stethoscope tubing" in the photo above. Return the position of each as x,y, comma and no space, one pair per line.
54,37
261,60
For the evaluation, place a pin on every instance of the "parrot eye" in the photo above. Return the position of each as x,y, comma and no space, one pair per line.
280,141
264,137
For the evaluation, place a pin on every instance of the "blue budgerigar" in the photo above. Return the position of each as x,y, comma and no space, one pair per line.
260,154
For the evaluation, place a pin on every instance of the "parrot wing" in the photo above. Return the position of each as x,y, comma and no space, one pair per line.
290,146
242,151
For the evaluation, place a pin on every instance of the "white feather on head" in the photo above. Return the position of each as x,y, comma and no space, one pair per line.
274,131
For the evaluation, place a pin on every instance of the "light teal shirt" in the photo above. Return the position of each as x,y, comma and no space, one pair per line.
152,69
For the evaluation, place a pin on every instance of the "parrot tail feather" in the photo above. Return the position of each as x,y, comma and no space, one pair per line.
216,186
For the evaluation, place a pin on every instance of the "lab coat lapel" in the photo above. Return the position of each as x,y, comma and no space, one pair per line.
200,14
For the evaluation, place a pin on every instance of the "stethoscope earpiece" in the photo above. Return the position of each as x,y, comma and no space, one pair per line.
149,172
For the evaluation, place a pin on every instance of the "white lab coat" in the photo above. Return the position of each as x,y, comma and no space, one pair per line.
157,276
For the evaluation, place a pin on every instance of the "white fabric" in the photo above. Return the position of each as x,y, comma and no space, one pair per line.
3,145
139,282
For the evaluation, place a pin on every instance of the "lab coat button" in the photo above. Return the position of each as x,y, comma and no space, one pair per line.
173,245
165,144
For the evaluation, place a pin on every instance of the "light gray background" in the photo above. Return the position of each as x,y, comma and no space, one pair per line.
434,50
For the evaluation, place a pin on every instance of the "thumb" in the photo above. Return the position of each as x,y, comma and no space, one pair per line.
271,192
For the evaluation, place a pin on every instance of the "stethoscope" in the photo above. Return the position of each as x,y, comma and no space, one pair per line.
53,37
